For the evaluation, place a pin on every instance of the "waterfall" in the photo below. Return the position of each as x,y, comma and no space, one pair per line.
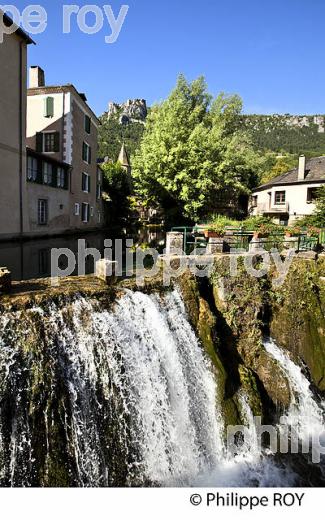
100,394
306,415
136,372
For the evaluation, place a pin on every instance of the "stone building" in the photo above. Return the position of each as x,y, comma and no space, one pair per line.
13,85
62,129
291,195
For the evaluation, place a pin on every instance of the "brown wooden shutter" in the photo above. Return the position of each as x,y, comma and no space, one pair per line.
57,142
39,142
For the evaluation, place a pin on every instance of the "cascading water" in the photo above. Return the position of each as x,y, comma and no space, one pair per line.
91,396
306,415
131,384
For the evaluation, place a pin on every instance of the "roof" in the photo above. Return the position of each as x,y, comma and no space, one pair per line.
123,158
46,157
315,172
56,89
8,22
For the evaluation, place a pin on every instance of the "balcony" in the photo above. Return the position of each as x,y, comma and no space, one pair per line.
267,209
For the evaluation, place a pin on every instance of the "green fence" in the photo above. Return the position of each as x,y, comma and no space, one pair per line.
239,239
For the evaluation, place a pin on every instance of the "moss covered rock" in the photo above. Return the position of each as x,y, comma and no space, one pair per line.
297,321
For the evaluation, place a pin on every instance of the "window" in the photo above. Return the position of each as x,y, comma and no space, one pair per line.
86,153
312,194
99,175
85,212
48,142
77,209
98,191
85,183
49,107
254,201
42,212
47,173
32,168
60,178
87,124
280,197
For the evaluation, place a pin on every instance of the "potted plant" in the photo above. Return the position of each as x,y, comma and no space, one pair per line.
313,232
292,232
216,230
262,231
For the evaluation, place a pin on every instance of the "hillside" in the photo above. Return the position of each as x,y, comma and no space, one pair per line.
286,133
122,122
277,133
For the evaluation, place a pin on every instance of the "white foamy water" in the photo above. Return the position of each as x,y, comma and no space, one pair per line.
126,396
305,414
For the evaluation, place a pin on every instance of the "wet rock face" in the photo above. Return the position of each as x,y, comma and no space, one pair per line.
298,322
240,304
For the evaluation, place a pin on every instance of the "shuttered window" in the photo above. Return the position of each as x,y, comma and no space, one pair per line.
85,183
49,107
48,142
86,153
85,212
51,142
87,124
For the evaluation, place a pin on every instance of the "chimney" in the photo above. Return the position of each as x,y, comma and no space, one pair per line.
36,77
302,168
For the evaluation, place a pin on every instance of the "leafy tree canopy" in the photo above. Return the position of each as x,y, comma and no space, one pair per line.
194,150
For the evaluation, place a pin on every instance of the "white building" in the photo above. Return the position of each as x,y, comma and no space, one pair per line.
292,195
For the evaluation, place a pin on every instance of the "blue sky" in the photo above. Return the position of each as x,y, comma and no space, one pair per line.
271,52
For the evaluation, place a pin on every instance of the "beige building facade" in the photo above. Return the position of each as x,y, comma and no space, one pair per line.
63,129
13,84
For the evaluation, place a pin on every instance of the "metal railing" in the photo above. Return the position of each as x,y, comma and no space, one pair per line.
237,238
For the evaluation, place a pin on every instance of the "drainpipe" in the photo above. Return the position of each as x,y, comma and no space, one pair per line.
21,138
62,128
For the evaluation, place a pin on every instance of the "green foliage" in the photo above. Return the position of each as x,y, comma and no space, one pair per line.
318,218
274,133
194,152
224,221
277,165
260,223
117,184
112,134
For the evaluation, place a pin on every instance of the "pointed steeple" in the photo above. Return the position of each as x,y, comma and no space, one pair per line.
123,158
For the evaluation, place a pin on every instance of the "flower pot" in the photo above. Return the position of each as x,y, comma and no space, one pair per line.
213,234
258,234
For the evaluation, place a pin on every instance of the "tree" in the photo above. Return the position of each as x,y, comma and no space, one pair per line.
194,152
277,165
319,216
118,188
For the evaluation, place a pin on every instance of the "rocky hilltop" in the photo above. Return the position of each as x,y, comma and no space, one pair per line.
133,110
